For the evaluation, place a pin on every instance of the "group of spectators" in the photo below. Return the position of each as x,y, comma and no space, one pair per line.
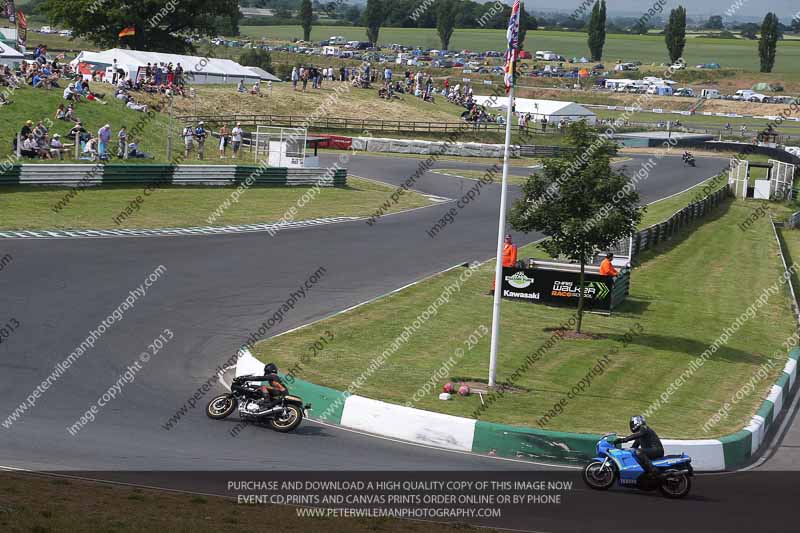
195,139
302,75
37,143
41,73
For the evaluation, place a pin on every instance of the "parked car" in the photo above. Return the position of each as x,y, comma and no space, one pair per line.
685,92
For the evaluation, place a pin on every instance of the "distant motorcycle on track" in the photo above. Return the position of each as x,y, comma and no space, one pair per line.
689,159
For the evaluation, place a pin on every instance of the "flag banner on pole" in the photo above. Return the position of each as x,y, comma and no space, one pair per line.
512,36
22,30
127,32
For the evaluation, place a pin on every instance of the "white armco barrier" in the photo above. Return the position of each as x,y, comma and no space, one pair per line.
415,146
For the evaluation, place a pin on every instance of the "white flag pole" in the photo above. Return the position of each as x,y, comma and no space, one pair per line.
501,226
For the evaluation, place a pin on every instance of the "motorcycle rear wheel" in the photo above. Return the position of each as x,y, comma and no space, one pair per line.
221,406
287,421
676,486
599,478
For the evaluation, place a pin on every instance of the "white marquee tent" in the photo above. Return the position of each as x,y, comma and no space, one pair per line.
197,69
554,110
9,56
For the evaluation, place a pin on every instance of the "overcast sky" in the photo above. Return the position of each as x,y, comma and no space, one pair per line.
749,8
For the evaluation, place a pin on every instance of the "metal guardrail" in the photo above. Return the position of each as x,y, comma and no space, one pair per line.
535,150
93,175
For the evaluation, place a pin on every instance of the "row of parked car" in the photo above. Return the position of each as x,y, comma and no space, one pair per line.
49,30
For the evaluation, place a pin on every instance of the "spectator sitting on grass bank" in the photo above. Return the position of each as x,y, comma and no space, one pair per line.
90,149
29,147
133,151
71,94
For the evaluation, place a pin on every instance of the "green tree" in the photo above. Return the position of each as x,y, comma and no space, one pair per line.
597,30
374,16
446,13
158,28
526,22
640,28
564,199
714,23
675,33
256,57
353,14
306,18
770,33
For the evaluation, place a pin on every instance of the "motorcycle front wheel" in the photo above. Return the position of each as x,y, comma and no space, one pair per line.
598,477
288,420
676,486
221,406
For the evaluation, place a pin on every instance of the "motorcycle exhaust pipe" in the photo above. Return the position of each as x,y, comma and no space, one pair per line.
265,412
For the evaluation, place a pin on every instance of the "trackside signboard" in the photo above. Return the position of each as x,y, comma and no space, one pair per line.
557,287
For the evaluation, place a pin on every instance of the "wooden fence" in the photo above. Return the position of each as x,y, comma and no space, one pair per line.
352,124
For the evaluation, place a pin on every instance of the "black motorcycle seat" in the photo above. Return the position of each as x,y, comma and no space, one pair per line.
666,457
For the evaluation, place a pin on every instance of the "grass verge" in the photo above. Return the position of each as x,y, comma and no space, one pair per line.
661,210
682,297
40,504
27,207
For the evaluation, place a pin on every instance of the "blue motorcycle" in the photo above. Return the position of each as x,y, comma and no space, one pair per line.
614,463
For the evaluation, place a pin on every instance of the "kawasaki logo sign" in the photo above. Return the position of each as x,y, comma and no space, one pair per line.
556,287
519,280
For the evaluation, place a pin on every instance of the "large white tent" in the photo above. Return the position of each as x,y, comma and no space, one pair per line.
554,110
9,56
200,70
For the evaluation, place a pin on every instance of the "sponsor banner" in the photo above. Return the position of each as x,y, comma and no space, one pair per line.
557,287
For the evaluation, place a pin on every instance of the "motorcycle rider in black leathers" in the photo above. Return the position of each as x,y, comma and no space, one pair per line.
272,392
646,444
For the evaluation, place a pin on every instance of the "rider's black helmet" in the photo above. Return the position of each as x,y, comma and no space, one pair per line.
637,422
270,368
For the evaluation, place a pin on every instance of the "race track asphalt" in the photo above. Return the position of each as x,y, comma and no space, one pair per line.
216,290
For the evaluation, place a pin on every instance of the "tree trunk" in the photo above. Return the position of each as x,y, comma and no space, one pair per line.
580,298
